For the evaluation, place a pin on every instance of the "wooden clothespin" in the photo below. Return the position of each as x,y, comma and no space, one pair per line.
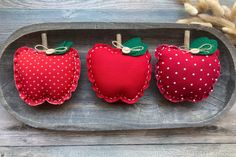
119,40
44,39
186,39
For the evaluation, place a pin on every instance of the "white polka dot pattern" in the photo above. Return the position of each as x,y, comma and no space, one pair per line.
40,77
182,76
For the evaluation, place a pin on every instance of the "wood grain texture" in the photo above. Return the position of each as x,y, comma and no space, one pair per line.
88,4
143,136
200,150
15,14
14,133
94,4
12,19
84,111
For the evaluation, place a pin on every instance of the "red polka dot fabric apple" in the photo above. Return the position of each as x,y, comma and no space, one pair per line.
119,74
187,75
50,75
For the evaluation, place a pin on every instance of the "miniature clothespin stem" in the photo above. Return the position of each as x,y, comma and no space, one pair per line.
44,39
186,39
119,40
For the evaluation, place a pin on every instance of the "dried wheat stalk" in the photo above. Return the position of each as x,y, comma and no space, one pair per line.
211,13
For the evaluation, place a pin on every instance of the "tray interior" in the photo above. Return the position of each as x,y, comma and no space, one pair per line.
84,111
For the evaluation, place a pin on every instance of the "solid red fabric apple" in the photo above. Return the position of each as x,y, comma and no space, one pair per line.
118,76
183,76
40,77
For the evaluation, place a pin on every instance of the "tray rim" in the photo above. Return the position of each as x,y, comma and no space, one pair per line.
117,25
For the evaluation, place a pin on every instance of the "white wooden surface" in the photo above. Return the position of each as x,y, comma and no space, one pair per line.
16,139
204,150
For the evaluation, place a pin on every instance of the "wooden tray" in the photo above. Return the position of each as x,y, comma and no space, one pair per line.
87,112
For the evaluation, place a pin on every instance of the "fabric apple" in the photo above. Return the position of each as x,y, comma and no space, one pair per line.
187,75
50,75
119,74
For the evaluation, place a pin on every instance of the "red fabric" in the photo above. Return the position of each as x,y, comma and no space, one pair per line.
40,77
182,76
115,76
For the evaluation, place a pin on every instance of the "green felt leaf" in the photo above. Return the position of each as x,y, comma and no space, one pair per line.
205,45
135,44
63,47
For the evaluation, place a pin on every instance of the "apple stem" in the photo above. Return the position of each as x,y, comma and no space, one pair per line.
44,39
186,39
119,40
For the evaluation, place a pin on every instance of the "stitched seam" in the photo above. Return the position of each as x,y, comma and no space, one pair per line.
26,98
97,90
160,85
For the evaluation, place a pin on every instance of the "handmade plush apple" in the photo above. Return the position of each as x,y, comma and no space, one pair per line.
119,74
50,76
187,75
